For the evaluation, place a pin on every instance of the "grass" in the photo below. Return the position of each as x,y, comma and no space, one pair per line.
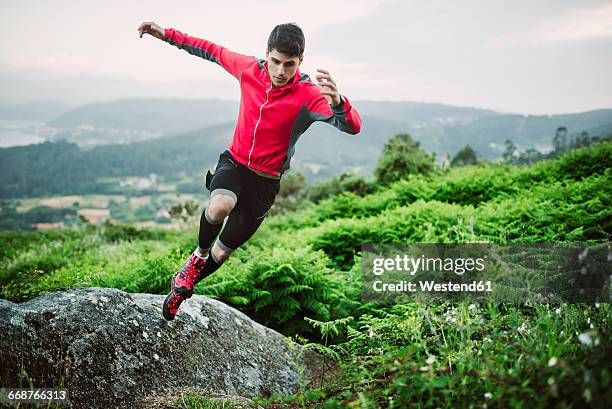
196,401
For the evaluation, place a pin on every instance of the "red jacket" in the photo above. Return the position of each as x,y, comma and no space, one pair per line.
271,119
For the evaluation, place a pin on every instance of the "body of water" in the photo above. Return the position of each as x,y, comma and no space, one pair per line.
19,133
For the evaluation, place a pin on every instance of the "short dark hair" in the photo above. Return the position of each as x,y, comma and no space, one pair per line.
287,39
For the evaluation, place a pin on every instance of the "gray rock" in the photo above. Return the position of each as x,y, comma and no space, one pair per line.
110,348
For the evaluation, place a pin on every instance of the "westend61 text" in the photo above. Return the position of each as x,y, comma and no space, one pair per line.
432,286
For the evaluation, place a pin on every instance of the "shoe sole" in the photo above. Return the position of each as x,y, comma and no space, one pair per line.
166,311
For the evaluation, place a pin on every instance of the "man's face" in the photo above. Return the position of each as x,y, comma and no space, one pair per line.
281,67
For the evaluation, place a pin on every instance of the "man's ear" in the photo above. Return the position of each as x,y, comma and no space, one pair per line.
301,59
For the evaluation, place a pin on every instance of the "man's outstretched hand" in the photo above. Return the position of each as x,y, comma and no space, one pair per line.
328,88
150,27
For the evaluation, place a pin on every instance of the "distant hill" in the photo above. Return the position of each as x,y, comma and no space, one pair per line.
40,111
179,138
54,168
488,134
136,119
440,128
417,113
163,115
179,115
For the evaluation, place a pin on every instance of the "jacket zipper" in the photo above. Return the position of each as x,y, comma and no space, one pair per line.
257,124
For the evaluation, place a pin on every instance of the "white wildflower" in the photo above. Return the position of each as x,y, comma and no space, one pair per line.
552,361
430,359
472,307
450,316
488,395
424,368
586,338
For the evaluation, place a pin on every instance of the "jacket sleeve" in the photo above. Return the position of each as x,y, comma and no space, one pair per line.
232,62
344,117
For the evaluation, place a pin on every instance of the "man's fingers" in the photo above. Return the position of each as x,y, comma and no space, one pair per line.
142,28
146,27
326,76
325,80
329,85
329,92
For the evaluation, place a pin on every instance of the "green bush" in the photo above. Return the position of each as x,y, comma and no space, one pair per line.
562,211
347,182
401,156
107,256
454,356
114,233
470,185
281,287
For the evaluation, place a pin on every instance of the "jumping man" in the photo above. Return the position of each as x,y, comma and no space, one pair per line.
278,104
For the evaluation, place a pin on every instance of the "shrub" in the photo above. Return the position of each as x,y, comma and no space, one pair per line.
401,156
282,288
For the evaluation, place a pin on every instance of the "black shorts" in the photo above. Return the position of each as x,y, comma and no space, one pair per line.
254,196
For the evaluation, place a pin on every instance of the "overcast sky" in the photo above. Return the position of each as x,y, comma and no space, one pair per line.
537,57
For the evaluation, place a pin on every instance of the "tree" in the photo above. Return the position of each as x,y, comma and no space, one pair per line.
583,140
401,156
184,211
559,141
447,161
346,182
530,156
466,156
509,150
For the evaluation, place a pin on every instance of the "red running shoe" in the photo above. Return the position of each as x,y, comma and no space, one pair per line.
182,285
186,278
171,305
